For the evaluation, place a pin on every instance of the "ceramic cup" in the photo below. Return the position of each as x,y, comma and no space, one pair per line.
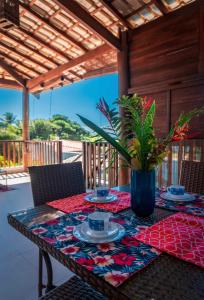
177,190
101,192
99,222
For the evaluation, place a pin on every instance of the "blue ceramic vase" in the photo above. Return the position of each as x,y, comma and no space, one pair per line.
143,192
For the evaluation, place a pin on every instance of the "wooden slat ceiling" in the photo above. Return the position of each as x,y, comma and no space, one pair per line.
50,36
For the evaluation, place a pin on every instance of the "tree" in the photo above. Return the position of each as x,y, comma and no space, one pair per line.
8,118
59,126
64,128
40,129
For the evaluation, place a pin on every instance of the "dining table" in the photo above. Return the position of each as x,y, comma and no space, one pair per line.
164,278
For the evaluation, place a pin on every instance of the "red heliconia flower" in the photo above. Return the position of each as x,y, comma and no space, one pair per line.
101,106
180,133
148,103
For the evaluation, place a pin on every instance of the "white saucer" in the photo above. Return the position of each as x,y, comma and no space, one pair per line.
84,233
178,198
92,198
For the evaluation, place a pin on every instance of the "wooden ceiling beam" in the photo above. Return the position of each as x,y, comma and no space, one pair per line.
43,44
75,74
116,13
158,3
9,84
16,61
23,55
56,82
109,69
161,6
12,73
138,10
57,72
46,22
20,42
78,13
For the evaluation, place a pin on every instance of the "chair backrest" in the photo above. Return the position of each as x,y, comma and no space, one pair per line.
192,176
54,182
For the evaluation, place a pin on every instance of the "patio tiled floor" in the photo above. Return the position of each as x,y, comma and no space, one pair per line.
18,256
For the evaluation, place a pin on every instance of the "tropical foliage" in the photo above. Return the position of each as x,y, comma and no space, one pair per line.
133,136
58,127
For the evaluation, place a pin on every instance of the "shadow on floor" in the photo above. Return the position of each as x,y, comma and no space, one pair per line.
18,255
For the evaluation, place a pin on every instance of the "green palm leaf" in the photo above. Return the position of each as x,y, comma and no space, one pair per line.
122,151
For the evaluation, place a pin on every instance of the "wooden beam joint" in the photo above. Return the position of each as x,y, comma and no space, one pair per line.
33,84
80,14
12,72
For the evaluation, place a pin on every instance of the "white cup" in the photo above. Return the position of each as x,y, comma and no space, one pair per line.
101,192
99,222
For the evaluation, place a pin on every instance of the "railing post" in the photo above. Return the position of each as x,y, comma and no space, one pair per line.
84,162
26,135
60,152
123,75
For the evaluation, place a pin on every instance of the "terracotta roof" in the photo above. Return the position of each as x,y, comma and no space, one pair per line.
53,33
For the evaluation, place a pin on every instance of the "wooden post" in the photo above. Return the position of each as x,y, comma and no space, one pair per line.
201,37
123,77
26,135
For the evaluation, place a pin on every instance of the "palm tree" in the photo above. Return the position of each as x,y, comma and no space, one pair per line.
8,118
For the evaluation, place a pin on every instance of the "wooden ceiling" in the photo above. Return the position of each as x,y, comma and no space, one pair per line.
59,42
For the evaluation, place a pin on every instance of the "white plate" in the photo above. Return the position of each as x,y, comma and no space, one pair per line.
178,198
83,233
92,198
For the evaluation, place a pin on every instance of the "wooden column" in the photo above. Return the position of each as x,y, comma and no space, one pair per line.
123,77
201,37
26,135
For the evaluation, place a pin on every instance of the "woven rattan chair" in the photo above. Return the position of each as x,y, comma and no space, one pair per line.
192,176
50,183
56,182
74,289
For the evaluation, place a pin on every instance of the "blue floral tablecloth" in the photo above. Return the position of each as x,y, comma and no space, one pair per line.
115,261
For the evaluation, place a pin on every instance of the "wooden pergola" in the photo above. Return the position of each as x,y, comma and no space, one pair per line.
58,42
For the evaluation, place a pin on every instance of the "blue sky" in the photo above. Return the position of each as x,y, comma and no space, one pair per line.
80,97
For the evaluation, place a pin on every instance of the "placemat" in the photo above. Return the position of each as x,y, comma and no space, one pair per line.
195,208
77,202
115,261
180,235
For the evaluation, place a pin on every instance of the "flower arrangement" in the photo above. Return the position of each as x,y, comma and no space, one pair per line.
132,134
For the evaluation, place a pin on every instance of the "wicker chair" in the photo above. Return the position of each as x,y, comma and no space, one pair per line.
56,182
49,183
192,176
74,289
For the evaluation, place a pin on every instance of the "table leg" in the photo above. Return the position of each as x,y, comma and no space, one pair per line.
40,272
48,264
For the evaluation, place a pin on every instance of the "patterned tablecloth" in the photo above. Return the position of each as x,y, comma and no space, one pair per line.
77,202
180,235
115,261
195,208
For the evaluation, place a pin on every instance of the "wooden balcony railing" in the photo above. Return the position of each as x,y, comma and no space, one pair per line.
97,157
169,172
29,153
43,152
100,165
